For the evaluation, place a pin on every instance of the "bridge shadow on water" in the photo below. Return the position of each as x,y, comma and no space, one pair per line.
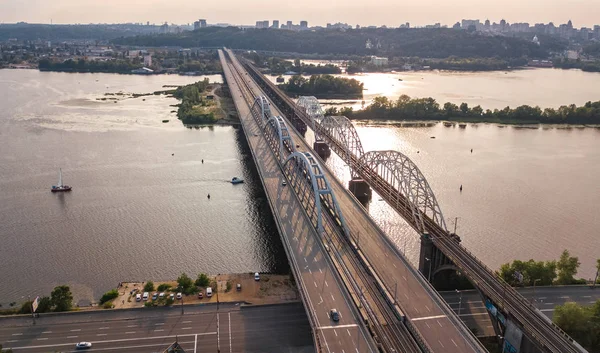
258,210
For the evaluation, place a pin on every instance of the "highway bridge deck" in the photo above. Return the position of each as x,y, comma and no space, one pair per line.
437,324
317,280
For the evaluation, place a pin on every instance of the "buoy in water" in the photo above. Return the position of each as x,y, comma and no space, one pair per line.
208,196
461,188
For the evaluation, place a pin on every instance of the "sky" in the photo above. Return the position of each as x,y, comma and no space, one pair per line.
583,13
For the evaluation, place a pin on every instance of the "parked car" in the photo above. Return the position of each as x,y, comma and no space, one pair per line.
161,295
335,316
172,296
138,297
154,296
83,345
238,287
179,296
256,276
145,296
208,292
200,295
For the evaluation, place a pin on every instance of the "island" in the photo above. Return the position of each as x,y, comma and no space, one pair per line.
407,108
203,103
323,86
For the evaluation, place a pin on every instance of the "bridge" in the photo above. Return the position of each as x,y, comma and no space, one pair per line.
387,302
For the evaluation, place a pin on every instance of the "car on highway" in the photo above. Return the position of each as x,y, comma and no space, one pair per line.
256,276
284,183
179,296
335,316
83,345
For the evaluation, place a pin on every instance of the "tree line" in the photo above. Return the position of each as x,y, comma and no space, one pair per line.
589,66
422,42
407,108
83,65
60,299
323,86
580,322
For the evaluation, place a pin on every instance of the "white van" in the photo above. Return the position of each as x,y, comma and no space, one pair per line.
208,292
138,297
145,296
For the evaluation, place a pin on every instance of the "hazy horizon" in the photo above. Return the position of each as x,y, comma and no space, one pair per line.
392,13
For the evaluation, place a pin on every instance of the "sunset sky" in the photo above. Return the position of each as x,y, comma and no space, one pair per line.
316,12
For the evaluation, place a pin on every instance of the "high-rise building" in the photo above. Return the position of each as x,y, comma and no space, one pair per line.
275,24
303,24
289,25
203,23
196,25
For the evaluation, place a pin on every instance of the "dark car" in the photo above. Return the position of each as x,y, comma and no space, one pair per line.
335,316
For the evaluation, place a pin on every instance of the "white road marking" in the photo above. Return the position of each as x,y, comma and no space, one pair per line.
428,317
585,296
195,342
131,325
429,327
186,322
441,344
186,328
337,326
394,265
159,324
332,298
129,332
315,284
101,334
12,341
549,303
17,334
72,336
542,297
42,339
334,331
439,323
454,342
305,260
309,270
229,314
347,330
218,334
326,283
76,330
47,332
159,330
427,308
320,269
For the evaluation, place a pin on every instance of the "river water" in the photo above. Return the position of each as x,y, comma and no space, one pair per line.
137,212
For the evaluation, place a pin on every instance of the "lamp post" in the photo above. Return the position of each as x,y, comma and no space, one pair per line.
533,300
459,301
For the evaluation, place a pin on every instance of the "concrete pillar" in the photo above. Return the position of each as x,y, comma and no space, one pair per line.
426,253
322,149
360,189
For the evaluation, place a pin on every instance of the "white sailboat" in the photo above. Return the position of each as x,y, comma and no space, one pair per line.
60,187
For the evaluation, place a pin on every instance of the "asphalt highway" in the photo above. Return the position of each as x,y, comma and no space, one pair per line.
200,329
474,313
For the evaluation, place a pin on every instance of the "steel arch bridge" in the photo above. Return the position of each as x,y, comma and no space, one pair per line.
313,190
405,178
261,110
278,136
347,144
313,109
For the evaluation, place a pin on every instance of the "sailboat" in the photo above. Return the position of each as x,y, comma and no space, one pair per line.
60,187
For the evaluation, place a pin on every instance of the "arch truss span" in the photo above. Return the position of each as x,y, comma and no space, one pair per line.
405,178
346,142
278,136
261,110
313,109
313,190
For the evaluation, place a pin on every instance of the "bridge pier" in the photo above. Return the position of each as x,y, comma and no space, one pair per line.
322,149
360,189
426,256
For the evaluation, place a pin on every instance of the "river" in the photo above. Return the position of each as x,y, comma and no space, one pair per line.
139,207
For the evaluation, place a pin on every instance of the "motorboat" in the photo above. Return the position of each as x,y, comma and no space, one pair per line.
60,187
236,180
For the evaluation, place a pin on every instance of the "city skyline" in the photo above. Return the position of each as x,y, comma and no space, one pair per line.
383,12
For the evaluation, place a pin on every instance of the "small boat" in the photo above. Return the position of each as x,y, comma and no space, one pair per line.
60,187
462,126
236,180
432,137
165,121
448,124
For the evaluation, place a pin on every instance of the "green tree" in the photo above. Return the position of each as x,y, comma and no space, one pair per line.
163,287
202,280
108,296
149,286
597,270
62,298
45,305
186,283
567,268
575,320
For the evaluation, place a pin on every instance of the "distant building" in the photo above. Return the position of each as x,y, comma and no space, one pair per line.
378,61
203,23
275,24
142,71
369,44
262,24
289,25
303,25
536,40
148,60
465,24
196,25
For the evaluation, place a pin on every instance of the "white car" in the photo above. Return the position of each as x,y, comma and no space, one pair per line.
83,345
179,296
161,295
256,276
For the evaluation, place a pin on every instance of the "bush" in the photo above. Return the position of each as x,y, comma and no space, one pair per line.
107,305
202,280
169,301
108,296
25,308
164,287
149,286
228,286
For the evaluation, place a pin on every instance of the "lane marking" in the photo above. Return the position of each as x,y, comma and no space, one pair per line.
186,322
326,283
441,344
332,297
439,323
229,314
159,330
76,330
159,324
186,328
101,334
309,270
337,326
195,342
454,342
47,332
315,284
131,325
17,334
348,330
319,268
428,317
218,334
12,341
129,332
42,339
103,328
334,331
72,336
